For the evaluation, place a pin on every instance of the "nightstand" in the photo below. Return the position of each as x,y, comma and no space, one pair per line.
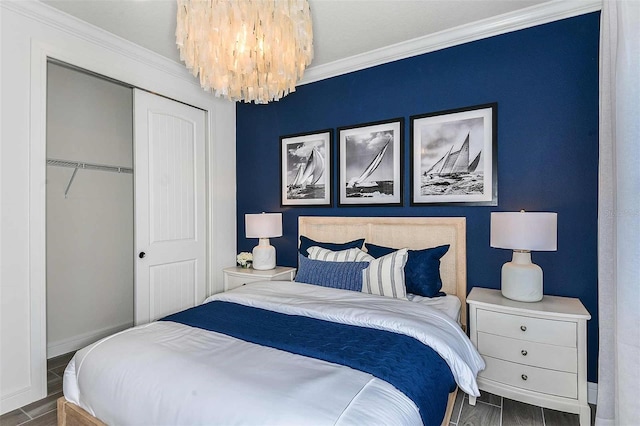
535,352
236,276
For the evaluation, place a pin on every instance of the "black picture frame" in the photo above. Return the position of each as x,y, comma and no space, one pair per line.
454,157
370,166
306,169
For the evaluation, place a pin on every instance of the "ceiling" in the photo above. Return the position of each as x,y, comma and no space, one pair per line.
342,28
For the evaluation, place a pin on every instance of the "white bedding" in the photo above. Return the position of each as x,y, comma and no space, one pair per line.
448,304
216,379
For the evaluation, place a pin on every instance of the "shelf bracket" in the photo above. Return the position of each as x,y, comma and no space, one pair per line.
66,191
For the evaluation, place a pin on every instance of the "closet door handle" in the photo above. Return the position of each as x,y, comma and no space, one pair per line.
142,254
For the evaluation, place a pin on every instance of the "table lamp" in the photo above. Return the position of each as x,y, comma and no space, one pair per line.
263,226
523,232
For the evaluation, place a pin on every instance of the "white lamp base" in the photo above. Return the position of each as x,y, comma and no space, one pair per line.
521,279
264,255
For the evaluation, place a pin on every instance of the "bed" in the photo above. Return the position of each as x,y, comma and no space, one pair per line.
237,365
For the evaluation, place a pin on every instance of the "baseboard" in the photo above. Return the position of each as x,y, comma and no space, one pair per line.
74,343
592,393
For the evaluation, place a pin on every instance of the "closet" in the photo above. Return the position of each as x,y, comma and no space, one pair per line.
89,210
125,217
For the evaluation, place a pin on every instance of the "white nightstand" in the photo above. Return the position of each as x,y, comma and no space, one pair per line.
236,276
535,352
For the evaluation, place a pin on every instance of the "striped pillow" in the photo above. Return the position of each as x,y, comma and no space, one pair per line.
385,275
349,255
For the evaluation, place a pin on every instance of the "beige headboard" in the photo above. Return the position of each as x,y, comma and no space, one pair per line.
399,232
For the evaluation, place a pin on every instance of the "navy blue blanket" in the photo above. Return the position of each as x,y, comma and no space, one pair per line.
412,367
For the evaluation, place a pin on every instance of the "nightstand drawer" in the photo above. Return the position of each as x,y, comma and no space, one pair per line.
233,281
561,358
535,379
553,332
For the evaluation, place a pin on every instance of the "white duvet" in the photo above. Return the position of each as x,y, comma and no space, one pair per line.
166,373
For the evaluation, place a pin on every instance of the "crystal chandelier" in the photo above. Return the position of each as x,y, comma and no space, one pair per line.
245,50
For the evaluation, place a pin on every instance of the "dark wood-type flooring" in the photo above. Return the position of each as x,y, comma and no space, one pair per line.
490,410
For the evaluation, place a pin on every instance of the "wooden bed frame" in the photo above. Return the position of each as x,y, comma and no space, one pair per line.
411,232
70,414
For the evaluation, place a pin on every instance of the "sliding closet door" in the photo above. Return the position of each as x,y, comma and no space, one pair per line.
169,141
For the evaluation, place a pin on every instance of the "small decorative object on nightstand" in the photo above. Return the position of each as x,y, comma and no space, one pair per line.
535,352
236,276
244,259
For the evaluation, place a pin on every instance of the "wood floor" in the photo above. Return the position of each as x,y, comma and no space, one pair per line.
490,410
493,410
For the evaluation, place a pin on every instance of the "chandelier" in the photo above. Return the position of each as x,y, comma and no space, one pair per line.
245,50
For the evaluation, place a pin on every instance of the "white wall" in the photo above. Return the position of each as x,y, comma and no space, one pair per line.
29,33
90,232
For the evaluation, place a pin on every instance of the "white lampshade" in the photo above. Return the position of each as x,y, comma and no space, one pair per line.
263,226
533,231
523,232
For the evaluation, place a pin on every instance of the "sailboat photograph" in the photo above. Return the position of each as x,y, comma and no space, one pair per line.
369,164
453,158
305,169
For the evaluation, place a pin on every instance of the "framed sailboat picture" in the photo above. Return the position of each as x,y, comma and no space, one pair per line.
454,157
305,169
370,163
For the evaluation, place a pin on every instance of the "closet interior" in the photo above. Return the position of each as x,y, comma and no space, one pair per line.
90,208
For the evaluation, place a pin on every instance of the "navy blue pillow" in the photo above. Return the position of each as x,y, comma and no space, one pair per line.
306,242
342,275
422,271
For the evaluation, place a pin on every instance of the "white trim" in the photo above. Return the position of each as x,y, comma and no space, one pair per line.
508,22
502,24
43,32
74,343
592,393
87,32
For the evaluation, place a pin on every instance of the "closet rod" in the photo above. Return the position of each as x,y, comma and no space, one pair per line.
85,166
88,166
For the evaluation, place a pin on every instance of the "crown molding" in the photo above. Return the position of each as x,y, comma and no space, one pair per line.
502,24
525,18
66,23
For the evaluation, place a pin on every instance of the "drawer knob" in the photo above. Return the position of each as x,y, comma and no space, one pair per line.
524,377
523,327
523,352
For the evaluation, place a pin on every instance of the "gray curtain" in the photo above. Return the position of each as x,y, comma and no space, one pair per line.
619,215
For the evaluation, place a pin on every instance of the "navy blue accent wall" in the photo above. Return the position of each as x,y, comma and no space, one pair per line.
545,81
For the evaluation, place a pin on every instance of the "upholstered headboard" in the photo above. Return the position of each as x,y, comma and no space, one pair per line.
411,232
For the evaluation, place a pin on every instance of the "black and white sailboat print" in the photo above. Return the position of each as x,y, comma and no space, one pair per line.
454,174
309,172
370,176
306,181
455,162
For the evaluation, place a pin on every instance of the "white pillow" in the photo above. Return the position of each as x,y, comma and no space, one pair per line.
385,275
349,255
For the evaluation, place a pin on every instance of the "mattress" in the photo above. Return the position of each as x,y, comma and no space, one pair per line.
169,373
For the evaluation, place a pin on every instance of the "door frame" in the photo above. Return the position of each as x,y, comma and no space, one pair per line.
54,35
